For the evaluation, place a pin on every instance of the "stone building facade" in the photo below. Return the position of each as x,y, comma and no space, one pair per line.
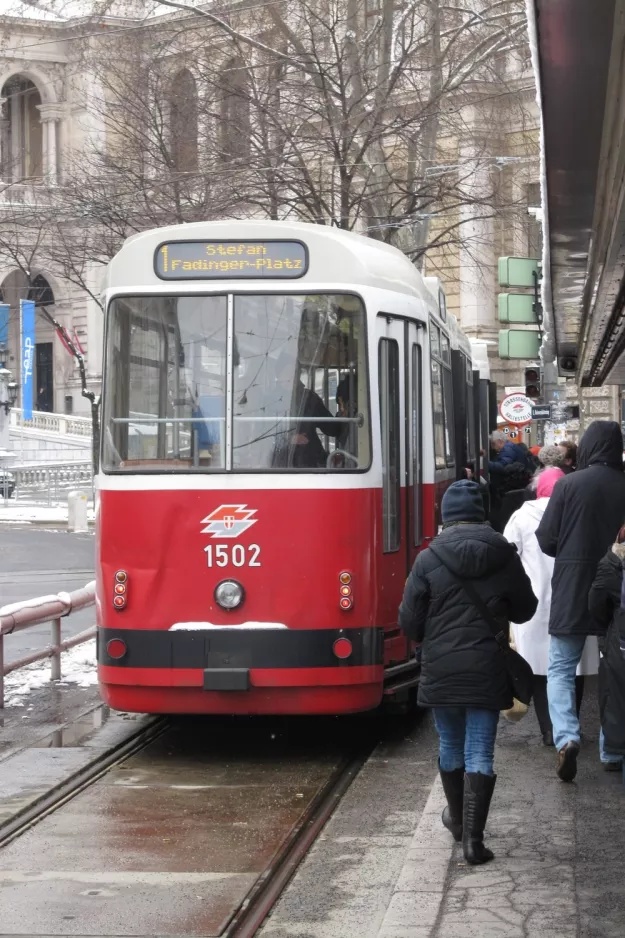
45,120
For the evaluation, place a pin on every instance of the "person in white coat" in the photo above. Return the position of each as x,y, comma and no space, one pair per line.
532,638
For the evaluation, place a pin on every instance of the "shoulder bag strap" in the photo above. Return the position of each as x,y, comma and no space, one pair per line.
476,599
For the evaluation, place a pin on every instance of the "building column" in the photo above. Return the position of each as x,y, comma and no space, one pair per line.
475,255
15,117
51,114
5,156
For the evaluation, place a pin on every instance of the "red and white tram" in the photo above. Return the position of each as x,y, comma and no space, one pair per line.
283,406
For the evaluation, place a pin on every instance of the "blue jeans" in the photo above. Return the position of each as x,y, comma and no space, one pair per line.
565,652
467,738
607,756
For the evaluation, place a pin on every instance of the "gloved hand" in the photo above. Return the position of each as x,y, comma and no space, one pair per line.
622,647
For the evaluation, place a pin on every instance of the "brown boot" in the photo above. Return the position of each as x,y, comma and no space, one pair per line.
567,761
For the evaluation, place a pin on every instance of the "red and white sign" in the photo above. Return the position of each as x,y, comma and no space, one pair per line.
229,521
516,409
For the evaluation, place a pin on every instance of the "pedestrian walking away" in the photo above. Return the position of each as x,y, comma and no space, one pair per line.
578,526
606,607
464,675
532,638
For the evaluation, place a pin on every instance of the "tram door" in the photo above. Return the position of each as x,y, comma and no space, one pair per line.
400,369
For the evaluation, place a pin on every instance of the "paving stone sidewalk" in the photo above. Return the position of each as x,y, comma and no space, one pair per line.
386,868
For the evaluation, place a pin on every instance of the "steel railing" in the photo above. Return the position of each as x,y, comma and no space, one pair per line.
52,609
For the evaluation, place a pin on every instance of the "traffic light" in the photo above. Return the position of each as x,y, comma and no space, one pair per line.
532,383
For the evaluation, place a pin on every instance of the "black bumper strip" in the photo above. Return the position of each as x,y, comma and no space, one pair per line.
241,648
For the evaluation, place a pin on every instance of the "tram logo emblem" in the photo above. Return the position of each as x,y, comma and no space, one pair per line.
229,521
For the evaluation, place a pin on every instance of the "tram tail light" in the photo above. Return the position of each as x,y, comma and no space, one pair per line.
116,648
346,600
342,648
120,590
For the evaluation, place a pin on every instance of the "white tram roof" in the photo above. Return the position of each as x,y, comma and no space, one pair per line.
335,257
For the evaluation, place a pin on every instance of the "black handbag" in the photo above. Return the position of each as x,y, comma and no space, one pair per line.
519,670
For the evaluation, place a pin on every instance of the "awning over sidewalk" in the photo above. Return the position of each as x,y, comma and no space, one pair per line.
581,56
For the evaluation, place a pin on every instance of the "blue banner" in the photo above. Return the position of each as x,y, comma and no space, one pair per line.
4,327
27,313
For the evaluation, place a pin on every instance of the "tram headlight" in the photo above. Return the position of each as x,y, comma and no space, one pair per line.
229,594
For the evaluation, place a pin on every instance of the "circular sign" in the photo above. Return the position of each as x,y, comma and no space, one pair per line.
516,409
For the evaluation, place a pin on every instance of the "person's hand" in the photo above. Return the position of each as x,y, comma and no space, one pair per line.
468,473
299,439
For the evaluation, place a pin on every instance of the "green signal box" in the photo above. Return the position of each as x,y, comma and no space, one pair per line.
517,307
518,343
518,271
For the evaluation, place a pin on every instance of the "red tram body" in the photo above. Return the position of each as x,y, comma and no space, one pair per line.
254,527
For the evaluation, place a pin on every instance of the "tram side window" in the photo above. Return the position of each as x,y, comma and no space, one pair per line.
389,424
300,387
442,399
471,454
166,383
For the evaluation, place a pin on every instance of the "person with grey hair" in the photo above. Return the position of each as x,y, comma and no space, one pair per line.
507,452
551,456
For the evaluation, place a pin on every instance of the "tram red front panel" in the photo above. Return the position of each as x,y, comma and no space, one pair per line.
287,549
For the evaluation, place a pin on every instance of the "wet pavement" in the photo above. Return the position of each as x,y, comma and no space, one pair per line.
43,713
386,868
171,841
36,562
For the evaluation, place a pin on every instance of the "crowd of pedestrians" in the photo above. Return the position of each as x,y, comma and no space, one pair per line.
544,575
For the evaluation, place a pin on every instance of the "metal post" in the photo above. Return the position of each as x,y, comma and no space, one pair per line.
56,657
1,671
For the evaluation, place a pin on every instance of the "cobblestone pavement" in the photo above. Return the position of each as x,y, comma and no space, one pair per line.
386,868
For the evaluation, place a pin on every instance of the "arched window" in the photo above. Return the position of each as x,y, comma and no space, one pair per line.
22,137
183,122
41,292
236,125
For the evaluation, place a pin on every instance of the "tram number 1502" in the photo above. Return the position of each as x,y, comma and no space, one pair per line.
221,555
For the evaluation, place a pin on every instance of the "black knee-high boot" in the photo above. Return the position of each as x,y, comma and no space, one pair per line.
453,786
541,706
579,692
478,791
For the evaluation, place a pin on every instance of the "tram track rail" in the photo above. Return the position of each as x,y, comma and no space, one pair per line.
250,917
247,916
83,778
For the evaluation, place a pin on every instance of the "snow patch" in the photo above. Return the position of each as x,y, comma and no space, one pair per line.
78,666
205,626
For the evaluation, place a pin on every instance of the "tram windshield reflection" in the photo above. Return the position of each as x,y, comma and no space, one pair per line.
167,405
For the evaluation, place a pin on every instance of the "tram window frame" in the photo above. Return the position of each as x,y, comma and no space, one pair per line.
167,469
442,416
416,365
471,443
390,439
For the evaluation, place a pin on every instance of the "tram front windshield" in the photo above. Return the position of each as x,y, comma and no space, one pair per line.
283,388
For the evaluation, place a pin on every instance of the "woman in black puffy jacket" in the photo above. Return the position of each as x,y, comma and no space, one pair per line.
464,678
604,602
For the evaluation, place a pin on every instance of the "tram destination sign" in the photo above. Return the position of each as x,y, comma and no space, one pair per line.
230,260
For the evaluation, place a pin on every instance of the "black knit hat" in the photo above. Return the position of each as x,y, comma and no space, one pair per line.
463,502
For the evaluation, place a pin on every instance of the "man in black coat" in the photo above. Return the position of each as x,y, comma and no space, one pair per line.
605,606
464,676
583,516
